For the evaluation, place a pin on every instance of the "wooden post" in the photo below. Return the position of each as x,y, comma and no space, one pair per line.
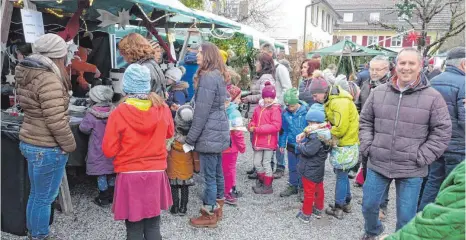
64,196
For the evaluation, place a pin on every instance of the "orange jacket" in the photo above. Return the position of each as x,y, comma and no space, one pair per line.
79,66
135,135
180,164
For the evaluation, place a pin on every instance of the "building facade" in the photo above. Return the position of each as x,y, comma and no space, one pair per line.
319,25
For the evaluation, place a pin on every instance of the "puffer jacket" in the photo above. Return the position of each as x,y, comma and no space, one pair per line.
305,91
451,85
257,84
267,122
180,165
209,132
44,99
403,132
341,112
312,156
443,219
292,125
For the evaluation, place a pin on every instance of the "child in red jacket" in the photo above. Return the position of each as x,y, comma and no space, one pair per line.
135,136
265,125
230,155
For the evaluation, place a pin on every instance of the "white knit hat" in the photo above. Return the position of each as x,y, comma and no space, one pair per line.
50,45
175,73
101,93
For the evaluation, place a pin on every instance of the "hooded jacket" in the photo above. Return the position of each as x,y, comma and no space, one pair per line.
404,132
292,125
267,122
443,219
209,132
236,136
451,85
44,99
341,112
135,135
94,124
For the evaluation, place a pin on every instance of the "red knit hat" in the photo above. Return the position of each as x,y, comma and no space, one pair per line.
269,91
234,91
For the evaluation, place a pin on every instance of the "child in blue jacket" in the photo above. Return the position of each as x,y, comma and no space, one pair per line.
293,123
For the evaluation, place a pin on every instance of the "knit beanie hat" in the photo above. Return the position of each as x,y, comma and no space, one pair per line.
136,79
316,113
50,45
154,44
101,93
234,91
318,83
291,96
269,91
184,117
175,73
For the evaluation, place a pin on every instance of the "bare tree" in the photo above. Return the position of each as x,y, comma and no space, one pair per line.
421,14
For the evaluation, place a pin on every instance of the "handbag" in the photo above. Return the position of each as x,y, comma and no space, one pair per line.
344,157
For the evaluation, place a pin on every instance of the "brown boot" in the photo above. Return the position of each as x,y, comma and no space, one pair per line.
219,210
206,220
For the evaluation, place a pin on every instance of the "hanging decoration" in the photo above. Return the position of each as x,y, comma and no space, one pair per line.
108,18
72,48
10,78
413,36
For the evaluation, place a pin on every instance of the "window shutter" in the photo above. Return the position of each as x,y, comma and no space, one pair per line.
364,40
427,40
353,39
380,43
388,41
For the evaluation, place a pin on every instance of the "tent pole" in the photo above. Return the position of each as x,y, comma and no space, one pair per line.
352,66
338,66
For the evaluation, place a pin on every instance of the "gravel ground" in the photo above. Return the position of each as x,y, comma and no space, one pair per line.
255,217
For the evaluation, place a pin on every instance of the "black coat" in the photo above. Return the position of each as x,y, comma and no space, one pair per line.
312,156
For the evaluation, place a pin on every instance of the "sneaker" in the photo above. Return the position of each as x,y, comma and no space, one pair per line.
347,208
253,170
317,213
290,190
279,173
352,174
336,212
230,200
235,193
303,217
372,237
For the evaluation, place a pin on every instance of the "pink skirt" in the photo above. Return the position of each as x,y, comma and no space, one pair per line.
141,195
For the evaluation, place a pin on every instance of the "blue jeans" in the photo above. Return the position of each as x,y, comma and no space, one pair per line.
214,185
46,167
294,177
105,181
280,159
407,194
439,170
342,188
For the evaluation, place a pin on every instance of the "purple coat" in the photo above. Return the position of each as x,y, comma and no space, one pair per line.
94,124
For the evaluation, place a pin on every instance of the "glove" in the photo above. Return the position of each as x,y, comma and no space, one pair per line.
187,148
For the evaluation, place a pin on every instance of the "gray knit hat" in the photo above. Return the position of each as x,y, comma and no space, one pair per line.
184,117
50,45
101,93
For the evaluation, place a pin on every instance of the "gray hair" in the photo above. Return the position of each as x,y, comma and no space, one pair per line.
455,62
269,48
411,49
332,66
380,58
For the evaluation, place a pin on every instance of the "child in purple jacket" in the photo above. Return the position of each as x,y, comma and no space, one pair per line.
94,124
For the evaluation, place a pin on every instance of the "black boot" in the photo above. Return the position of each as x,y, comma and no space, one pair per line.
102,199
111,192
184,200
253,170
176,200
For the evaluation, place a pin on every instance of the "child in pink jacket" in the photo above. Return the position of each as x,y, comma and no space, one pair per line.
230,155
264,126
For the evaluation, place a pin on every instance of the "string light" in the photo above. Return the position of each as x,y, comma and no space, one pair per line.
59,1
51,11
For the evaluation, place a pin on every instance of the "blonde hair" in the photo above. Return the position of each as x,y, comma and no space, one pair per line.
135,47
156,100
60,63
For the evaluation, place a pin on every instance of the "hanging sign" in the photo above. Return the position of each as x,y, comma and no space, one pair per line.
255,42
33,25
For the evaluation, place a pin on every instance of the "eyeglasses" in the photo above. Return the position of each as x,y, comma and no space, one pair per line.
377,69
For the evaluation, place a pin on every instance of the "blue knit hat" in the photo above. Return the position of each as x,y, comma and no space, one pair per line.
316,113
136,79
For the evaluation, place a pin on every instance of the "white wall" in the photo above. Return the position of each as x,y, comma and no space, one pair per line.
316,33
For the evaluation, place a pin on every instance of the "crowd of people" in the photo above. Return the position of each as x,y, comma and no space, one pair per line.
399,127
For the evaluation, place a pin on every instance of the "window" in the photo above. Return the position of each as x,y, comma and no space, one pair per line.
347,17
374,17
329,23
324,24
372,40
316,15
396,41
348,38
313,15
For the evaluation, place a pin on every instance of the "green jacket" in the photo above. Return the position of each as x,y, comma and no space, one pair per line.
341,112
443,219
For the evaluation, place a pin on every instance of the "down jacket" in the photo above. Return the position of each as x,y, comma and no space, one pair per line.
451,85
403,132
210,132
267,122
44,99
443,219
341,112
